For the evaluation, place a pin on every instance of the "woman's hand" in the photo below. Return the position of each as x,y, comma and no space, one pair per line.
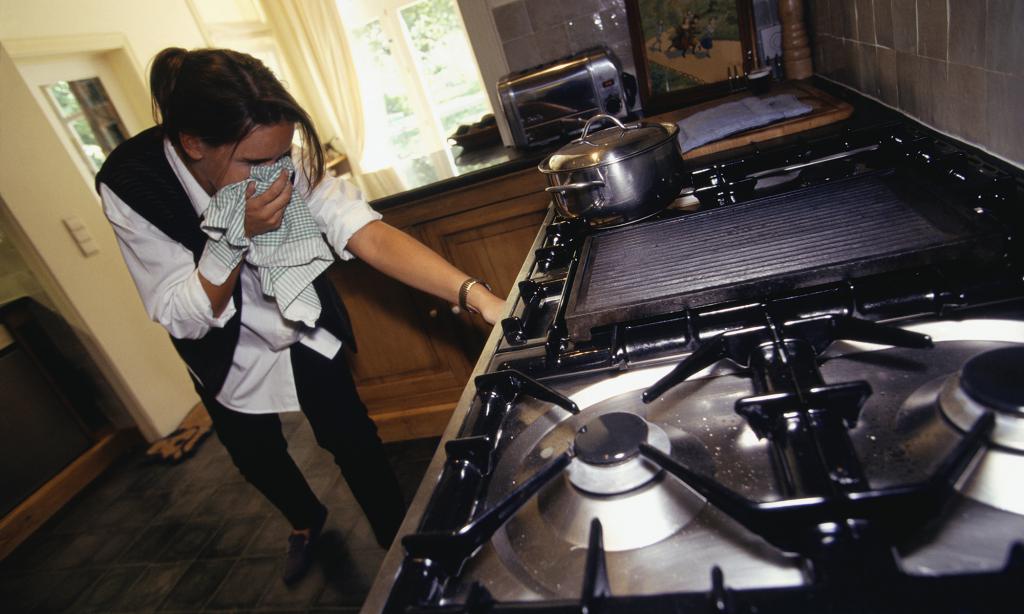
398,255
264,213
489,306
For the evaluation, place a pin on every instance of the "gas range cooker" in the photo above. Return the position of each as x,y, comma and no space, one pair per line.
799,389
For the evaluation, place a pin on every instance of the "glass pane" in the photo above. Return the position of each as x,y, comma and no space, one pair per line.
440,49
65,101
90,117
384,87
83,131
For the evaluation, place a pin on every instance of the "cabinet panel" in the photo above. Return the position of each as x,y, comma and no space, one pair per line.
490,243
404,359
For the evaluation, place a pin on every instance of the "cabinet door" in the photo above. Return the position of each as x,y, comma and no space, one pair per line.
410,369
490,243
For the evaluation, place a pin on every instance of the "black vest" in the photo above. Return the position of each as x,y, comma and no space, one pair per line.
138,172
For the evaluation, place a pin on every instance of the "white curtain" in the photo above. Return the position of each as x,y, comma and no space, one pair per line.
313,34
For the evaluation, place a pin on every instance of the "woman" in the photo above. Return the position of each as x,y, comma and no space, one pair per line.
221,114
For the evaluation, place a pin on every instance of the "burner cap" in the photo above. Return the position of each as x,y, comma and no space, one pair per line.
995,379
610,439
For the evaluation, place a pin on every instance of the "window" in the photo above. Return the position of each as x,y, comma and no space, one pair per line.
90,117
418,79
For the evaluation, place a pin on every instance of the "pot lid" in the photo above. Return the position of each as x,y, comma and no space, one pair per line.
602,147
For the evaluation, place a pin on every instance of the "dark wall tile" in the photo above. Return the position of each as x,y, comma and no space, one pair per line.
967,32
887,79
932,22
883,22
865,21
616,28
512,20
830,49
836,17
904,25
933,87
545,14
820,17
842,66
521,53
552,43
1004,43
867,70
963,109
847,18
576,8
585,31
1005,98
907,68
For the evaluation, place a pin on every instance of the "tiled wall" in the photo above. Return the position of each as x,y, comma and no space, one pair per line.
536,31
956,65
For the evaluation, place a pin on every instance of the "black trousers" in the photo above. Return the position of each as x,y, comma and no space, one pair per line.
328,398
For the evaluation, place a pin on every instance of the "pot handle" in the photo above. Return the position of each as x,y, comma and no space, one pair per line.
579,185
586,126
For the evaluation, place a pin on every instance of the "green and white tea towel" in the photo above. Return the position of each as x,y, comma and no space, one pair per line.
288,259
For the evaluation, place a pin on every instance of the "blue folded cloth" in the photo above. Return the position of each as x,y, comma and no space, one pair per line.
732,117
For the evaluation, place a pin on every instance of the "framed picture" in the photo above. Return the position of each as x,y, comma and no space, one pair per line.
687,50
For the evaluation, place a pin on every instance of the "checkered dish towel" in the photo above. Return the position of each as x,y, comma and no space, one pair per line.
288,259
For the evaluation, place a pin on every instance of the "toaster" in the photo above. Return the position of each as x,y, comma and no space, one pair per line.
551,102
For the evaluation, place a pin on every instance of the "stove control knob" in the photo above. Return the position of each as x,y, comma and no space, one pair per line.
613,104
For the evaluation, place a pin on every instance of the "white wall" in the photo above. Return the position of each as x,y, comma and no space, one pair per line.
41,183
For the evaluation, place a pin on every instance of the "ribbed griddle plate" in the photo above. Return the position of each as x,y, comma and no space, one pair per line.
822,234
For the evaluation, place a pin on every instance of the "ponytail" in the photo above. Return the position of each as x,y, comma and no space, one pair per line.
162,77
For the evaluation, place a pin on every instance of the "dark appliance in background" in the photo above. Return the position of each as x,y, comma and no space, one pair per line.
52,400
551,102
799,390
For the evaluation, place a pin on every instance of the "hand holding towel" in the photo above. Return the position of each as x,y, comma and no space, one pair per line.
288,259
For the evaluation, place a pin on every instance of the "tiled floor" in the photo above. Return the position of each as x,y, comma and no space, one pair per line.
196,537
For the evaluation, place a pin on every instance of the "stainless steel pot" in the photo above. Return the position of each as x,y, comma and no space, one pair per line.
616,175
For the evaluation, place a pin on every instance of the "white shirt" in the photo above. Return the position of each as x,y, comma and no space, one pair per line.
260,379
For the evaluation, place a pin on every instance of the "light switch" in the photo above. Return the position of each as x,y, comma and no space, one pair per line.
80,234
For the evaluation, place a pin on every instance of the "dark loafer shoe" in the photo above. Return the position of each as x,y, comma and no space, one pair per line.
300,551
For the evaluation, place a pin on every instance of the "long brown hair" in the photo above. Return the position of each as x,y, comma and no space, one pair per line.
220,96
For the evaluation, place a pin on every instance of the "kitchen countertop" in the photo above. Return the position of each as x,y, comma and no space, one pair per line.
478,165
470,167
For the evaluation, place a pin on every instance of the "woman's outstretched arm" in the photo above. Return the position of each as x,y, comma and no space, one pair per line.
399,255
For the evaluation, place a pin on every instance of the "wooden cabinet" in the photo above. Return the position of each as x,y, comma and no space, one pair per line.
415,355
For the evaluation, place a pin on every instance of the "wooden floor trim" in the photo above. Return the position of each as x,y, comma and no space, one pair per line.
41,505
413,423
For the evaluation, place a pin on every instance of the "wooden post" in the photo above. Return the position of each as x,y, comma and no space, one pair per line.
796,53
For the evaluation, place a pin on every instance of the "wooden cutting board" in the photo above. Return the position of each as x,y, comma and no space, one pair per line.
826,110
